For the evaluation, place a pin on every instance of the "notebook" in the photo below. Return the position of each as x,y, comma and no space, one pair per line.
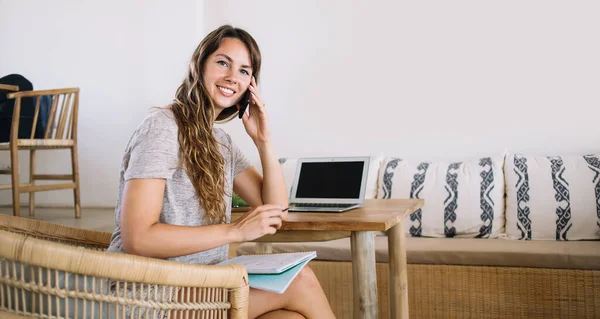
272,272
277,283
332,184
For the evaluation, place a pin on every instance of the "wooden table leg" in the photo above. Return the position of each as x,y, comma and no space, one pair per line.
398,272
363,274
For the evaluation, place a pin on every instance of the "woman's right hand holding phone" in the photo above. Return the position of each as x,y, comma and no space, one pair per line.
263,220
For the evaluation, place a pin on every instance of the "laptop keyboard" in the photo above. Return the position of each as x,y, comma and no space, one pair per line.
321,205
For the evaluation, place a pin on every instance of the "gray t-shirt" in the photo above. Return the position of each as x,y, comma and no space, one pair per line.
153,152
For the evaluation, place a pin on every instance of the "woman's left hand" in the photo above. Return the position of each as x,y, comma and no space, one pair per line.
257,122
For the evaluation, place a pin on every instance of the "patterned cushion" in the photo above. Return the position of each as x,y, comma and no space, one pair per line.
462,198
288,166
553,197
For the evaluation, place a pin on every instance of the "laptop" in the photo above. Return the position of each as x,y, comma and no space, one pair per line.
333,184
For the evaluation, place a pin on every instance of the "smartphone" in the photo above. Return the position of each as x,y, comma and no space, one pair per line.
244,103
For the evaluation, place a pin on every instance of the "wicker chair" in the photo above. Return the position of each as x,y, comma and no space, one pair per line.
54,271
60,133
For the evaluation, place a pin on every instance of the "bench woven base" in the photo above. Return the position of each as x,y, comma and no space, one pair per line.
445,291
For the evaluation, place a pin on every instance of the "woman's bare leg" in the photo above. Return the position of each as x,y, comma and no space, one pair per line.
304,299
304,296
281,314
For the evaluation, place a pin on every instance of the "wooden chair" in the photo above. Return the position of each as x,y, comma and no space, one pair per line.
55,271
8,87
61,133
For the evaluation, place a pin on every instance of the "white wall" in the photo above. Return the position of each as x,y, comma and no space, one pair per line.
402,78
426,78
125,56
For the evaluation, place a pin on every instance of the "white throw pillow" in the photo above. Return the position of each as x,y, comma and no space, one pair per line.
288,166
462,198
553,197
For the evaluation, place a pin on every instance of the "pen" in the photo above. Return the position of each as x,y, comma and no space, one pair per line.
285,209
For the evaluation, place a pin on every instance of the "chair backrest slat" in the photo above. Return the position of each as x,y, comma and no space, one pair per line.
14,128
75,113
57,115
60,115
64,113
35,117
51,116
70,123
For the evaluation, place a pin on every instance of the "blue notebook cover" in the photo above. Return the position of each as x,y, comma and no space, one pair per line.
277,283
272,272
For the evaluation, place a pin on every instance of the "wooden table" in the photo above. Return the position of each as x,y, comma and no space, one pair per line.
360,224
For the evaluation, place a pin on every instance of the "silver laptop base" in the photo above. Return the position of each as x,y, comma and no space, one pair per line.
299,208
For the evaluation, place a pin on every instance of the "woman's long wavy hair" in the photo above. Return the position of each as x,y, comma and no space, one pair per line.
194,113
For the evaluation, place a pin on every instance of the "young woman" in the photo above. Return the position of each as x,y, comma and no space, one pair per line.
178,174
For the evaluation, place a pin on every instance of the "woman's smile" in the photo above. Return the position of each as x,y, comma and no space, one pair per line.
227,92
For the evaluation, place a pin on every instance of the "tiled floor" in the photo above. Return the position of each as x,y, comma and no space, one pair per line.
101,219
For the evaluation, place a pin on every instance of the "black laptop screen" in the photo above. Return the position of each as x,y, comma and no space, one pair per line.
330,180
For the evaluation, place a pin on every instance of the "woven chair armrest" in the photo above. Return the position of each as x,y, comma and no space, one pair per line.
55,232
118,266
31,266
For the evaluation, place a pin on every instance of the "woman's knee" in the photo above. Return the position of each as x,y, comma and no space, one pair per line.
307,280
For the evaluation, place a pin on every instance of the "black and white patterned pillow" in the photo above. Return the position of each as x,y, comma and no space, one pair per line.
553,197
462,198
